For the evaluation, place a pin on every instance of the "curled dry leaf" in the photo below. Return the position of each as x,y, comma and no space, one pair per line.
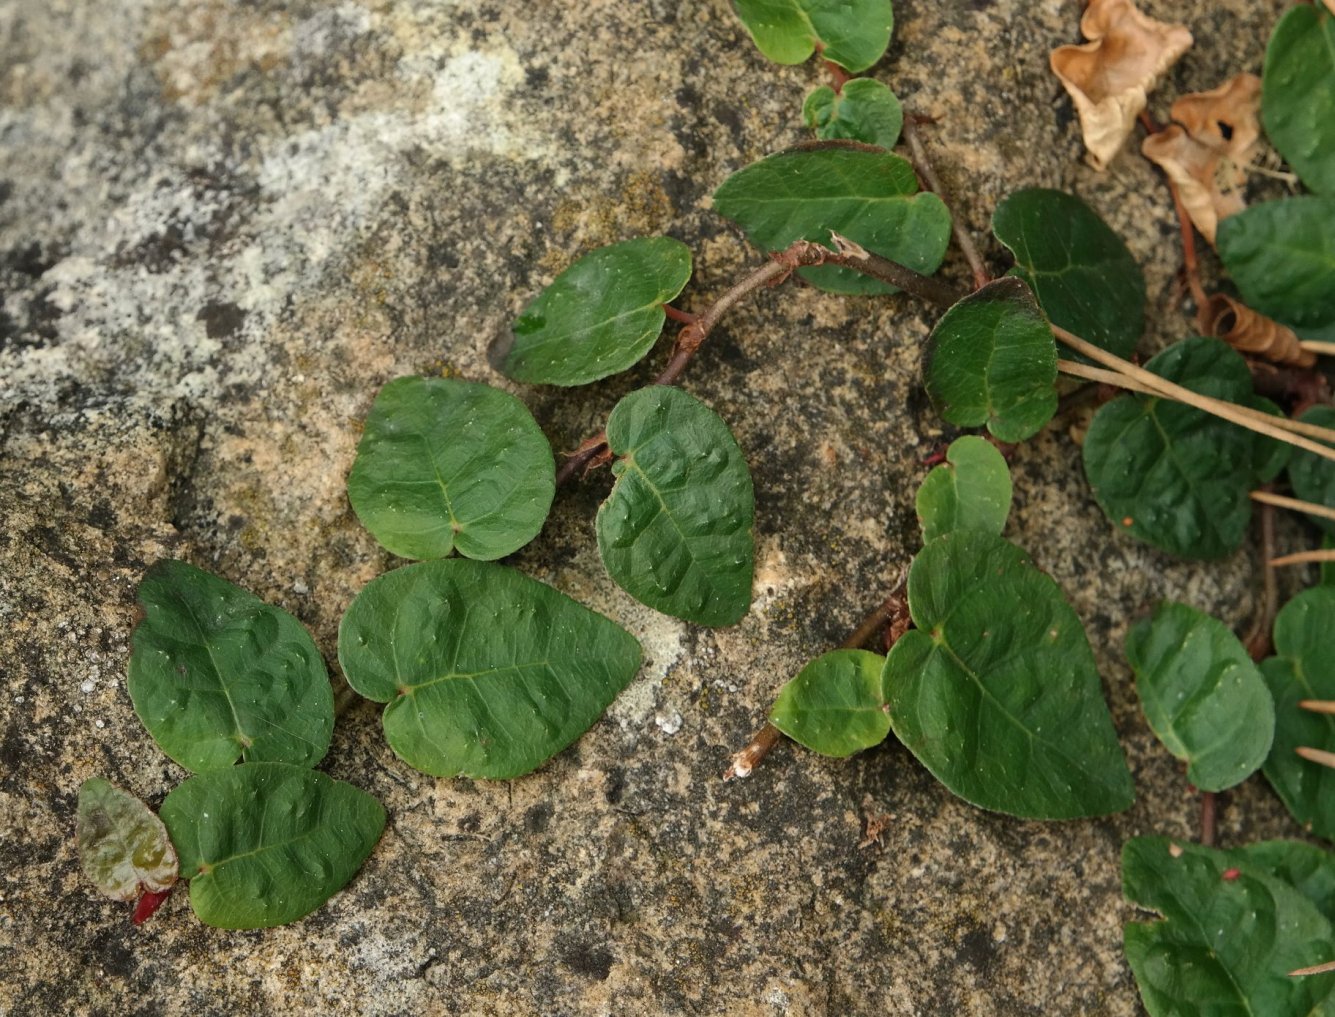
1206,151
1251,332
1110,77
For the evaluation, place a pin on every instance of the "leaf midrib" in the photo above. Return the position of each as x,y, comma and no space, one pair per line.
218,672
1002,709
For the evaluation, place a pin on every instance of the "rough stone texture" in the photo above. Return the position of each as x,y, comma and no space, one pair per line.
224,224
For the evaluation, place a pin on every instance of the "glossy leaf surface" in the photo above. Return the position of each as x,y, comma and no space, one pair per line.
487,673
600,316
217,675
1304,668
850,33
265,843
971,490
996,691
1307,868
1202,695
445,464
123,848
1224,945
675,533
871,198
1313,477
863,110
1171,475
1082,273
835,705
1281,254
992,360
1298,94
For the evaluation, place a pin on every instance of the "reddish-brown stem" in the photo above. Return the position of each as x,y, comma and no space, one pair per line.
1258,642
800,254
872,624
678,315
1189,265
841,77
1208,807
923,165
756,749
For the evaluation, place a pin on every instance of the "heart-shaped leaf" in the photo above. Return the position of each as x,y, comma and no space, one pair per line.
992,360
1298,94
675,533
1203,696
265,843
971,490
487,673
1084,277
446,464
217,675
850,33
871,198
1230,934
600,316
1171,475
996,691
1303,668
863,110
123,848
835,705
1282,256
1313,477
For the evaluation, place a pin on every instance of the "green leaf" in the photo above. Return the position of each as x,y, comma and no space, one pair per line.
850,33
217,675
992,360
1203,696
1313,477
996,691
1227,941
871,198
446,464
863,110
835,705
1084,277
1307,868
487,673
675,533
1298,94
1282,256
1171,475
265,843
971,490
600,316
123,847
1303,668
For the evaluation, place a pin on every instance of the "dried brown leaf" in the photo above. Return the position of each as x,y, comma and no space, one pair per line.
1251,332
1206,152
1110,77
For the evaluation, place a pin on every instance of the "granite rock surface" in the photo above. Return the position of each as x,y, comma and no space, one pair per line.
225,223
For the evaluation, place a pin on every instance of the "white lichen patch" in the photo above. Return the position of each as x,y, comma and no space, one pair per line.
254,229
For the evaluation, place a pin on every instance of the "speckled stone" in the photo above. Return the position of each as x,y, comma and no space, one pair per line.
224,224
